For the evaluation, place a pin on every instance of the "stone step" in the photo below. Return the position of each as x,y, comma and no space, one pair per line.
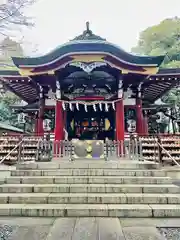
89,165
89,188
90,210
88,179
89,198
89,172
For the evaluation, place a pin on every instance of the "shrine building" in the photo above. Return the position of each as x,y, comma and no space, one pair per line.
89,88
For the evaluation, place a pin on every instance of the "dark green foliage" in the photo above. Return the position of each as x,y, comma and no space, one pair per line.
163,38
6,113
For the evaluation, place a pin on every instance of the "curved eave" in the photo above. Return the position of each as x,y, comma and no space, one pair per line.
9,73
86,47
21,86
169,71
87,59
166,74
158,84
27,108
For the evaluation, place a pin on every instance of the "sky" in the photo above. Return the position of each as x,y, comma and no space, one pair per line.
119,21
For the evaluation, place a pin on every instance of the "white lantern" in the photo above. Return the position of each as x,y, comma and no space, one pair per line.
58,90
47,124
21,118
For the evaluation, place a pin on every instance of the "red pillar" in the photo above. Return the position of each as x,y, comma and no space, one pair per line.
120,120
58,131
120,126
139,119
59,122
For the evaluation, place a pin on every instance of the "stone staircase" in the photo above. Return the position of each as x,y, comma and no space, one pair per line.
89,188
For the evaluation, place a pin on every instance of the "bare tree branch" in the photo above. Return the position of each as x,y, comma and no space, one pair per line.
12,19
12,14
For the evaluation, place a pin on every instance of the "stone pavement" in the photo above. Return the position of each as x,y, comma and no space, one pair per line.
87,228
99,229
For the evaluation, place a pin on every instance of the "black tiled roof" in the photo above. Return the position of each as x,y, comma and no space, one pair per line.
93,47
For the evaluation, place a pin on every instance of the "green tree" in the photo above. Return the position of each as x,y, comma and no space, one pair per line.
162,39
11,48
6,113
172,97
12,19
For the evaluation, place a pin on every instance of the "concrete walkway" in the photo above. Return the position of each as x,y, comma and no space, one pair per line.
86,228
99,229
